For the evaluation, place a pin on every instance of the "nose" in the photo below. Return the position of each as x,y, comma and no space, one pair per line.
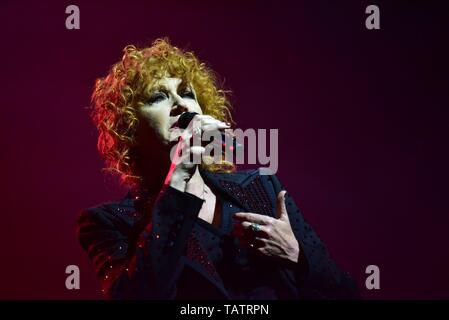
178,109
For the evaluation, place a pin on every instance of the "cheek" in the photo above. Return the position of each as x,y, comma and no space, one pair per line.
155,118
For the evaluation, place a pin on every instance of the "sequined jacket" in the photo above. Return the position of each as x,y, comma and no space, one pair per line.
141,254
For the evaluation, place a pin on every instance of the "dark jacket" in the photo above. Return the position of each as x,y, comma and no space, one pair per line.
140,255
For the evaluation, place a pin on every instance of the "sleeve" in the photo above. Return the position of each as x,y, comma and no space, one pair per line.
149,266
316,275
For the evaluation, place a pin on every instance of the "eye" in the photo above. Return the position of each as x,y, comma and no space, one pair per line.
157,97
188,94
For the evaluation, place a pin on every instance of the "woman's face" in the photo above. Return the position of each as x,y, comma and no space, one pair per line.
169,98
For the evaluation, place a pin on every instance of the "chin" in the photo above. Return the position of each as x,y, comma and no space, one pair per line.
165,138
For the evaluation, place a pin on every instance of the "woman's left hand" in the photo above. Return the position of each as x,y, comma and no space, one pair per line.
272,237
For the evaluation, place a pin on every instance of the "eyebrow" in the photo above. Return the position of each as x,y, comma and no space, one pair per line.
182,85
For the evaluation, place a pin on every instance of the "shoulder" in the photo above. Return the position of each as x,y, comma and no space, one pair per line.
117,214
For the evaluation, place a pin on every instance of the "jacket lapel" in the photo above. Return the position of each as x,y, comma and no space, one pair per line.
247,189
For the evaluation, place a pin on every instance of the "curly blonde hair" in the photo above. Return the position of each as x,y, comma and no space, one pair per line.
127,87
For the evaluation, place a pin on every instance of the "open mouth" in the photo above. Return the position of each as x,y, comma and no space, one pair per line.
174,125
173,122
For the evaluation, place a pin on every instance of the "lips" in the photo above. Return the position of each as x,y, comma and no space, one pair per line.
174,125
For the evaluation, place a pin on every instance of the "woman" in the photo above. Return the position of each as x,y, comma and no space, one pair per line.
187,230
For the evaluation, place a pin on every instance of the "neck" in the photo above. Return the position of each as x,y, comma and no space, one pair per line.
153,179
196,184
153,172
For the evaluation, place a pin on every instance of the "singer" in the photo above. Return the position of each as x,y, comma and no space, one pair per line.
189,231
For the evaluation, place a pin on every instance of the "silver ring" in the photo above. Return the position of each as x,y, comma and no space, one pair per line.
197,131
255,227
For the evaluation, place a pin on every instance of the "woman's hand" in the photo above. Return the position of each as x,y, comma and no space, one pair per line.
184,156
271,237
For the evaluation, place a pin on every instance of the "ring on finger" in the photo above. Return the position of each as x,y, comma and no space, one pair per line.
255,227
197,131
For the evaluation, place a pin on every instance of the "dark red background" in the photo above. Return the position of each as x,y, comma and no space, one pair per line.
362,117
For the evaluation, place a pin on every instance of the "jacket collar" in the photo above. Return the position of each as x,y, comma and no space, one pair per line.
224,182
218,181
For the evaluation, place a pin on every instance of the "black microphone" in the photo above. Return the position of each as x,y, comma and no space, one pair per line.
186,118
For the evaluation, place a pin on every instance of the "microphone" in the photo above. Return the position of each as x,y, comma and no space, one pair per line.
186,118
